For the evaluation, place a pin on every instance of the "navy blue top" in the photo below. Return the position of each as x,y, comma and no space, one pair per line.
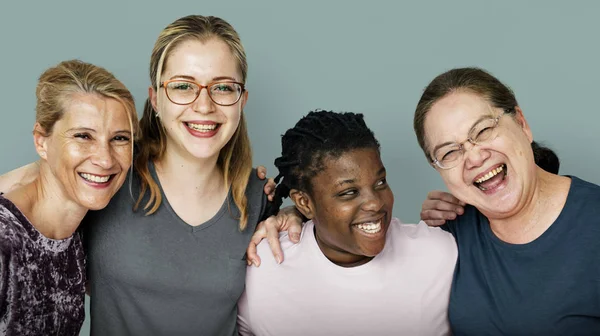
550,286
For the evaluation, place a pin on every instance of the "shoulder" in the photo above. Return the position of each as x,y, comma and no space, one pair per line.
254,189
423,237
422,231
583,200
11,229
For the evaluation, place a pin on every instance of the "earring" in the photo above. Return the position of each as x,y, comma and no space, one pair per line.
156,115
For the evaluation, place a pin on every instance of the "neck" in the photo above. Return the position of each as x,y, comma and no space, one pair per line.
539,210
47,207
338,256
187,173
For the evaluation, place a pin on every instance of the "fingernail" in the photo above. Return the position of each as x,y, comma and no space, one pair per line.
294,236
278,259
255,263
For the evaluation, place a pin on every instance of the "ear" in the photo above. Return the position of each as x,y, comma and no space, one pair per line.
303,203
520,118
40,140
152,94
244,99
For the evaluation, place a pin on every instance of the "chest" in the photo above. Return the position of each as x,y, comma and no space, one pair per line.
550,292
45,291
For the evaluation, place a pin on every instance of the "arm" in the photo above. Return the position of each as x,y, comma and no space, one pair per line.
19,177
440,206
288,219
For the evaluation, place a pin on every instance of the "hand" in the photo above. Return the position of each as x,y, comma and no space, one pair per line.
439,207
19,177
269,189
288,219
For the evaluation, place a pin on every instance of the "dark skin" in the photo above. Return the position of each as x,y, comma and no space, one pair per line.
351,190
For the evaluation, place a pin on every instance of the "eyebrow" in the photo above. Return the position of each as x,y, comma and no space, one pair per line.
350,181
87,129
214,79
482,118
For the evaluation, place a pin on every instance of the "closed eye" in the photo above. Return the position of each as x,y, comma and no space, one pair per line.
84,136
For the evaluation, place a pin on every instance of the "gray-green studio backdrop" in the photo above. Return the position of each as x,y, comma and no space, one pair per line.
373,57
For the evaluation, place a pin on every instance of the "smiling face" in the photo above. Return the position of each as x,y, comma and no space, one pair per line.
89,149
493,176
202,128
351,206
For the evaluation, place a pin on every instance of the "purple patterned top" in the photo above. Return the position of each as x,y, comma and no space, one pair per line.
42,280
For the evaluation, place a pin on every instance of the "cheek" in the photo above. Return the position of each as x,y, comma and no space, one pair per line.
123,156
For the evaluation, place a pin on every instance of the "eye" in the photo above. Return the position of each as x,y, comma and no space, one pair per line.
121,138
348,193
450,155
483,134
382,182
84,136
181,86
223,88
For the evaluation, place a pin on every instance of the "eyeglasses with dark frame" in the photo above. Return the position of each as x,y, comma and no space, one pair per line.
450,155
184,92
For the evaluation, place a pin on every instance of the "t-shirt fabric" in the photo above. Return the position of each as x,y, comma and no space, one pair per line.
550,286
157,275
42,280
404,290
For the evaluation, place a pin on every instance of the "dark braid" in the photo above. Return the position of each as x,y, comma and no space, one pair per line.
317,136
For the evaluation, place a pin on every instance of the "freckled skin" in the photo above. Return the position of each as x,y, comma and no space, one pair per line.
335,207
94,137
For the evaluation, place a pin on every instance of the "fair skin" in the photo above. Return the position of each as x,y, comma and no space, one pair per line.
523,200
84,160
188,171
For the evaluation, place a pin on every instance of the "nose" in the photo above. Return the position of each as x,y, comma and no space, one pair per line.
475,156
103,156
203,104
373,202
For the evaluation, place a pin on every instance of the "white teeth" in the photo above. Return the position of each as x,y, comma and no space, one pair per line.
370,227
202,127
489,175
95,178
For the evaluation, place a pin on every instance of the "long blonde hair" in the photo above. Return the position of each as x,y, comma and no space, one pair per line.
153,141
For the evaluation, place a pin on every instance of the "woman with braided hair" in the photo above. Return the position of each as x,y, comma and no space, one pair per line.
356,270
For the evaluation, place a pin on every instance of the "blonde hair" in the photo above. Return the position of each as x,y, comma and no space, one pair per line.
153,141
57,84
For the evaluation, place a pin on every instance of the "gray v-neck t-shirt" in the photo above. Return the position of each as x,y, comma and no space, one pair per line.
157,275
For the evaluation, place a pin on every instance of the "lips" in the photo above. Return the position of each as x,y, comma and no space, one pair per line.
492,178
370,227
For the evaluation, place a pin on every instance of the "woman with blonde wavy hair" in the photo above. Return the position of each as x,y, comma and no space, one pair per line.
85,121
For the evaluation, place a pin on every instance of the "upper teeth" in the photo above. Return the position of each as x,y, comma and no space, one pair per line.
489,175
202,127
95,178
370,227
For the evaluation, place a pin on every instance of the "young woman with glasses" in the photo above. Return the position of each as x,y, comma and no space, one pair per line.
167,255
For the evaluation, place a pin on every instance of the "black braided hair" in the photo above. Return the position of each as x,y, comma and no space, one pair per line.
317,136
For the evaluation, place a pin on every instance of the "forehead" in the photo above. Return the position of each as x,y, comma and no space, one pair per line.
353,164
451,117
94,111
202,60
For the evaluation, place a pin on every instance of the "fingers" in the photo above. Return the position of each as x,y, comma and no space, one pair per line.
251,254
294,229
261,172
273,238
429,204
435,222
270,189
437,215
444,196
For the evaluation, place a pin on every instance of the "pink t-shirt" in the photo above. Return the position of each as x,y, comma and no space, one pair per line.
405,290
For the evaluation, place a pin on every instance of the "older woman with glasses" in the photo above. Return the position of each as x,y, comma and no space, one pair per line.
528,240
